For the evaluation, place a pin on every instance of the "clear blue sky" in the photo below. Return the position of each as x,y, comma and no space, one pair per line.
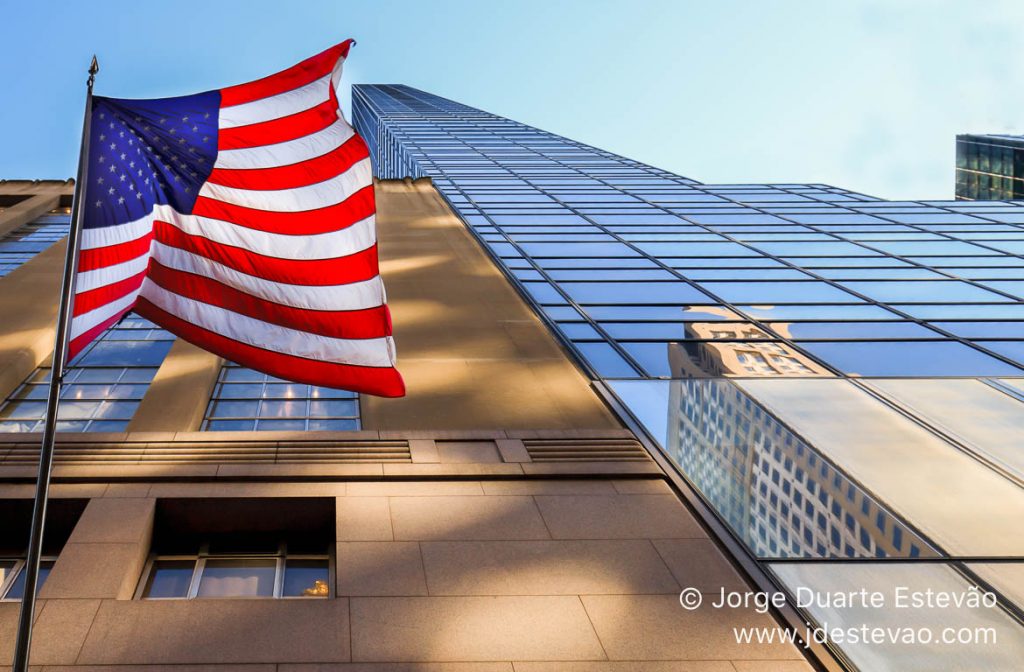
866,95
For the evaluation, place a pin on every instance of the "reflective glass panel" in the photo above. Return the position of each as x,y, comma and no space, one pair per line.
779,292
923,291
1006,577
103,385
306,578
908,358
983,329
829,331
170,578
238,578
964,506
1003,652
776,492
25,242
17,588
247,400
989,420
633,293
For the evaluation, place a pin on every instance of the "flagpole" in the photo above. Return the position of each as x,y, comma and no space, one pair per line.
60,352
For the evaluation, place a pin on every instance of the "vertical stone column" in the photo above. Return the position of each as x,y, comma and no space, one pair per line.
106,552
102,560
177,398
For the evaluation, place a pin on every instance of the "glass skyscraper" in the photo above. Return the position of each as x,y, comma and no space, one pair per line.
839,378
989,167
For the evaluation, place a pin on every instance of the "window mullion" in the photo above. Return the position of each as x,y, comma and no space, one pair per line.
193,588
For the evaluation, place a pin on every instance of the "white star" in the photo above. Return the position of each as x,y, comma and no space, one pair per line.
138,194
206,138
206,116
102,159
99,180
120,200
131,187
102,137
113,169
122,134
140,172
145,128
184,119
123,176
188,190
111,124
122,156
110,191
173,131
195,128
162,120
130,165
99,203
131,142
113,146
138,118
147,179
102,115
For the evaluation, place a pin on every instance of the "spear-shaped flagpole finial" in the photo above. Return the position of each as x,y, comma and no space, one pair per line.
94,67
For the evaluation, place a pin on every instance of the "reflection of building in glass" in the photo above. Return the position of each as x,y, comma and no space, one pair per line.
774,490
709,355
989,167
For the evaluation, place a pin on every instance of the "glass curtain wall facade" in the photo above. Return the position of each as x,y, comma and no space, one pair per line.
989,167
839,377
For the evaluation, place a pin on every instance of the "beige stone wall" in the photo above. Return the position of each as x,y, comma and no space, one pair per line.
439,576
473,354
28,297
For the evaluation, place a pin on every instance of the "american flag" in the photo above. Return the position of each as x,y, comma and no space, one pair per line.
241,220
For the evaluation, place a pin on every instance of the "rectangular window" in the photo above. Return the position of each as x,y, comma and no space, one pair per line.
242,573
30,239
12,577
247,400
15,520
242,548
103,386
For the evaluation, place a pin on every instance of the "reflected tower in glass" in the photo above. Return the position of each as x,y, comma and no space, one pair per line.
835,376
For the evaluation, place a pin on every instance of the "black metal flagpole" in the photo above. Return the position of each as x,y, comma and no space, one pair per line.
60,353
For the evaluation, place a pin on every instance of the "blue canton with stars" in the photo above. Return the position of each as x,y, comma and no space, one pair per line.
148,152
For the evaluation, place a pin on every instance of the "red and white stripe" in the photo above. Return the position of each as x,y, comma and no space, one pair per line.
276,267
